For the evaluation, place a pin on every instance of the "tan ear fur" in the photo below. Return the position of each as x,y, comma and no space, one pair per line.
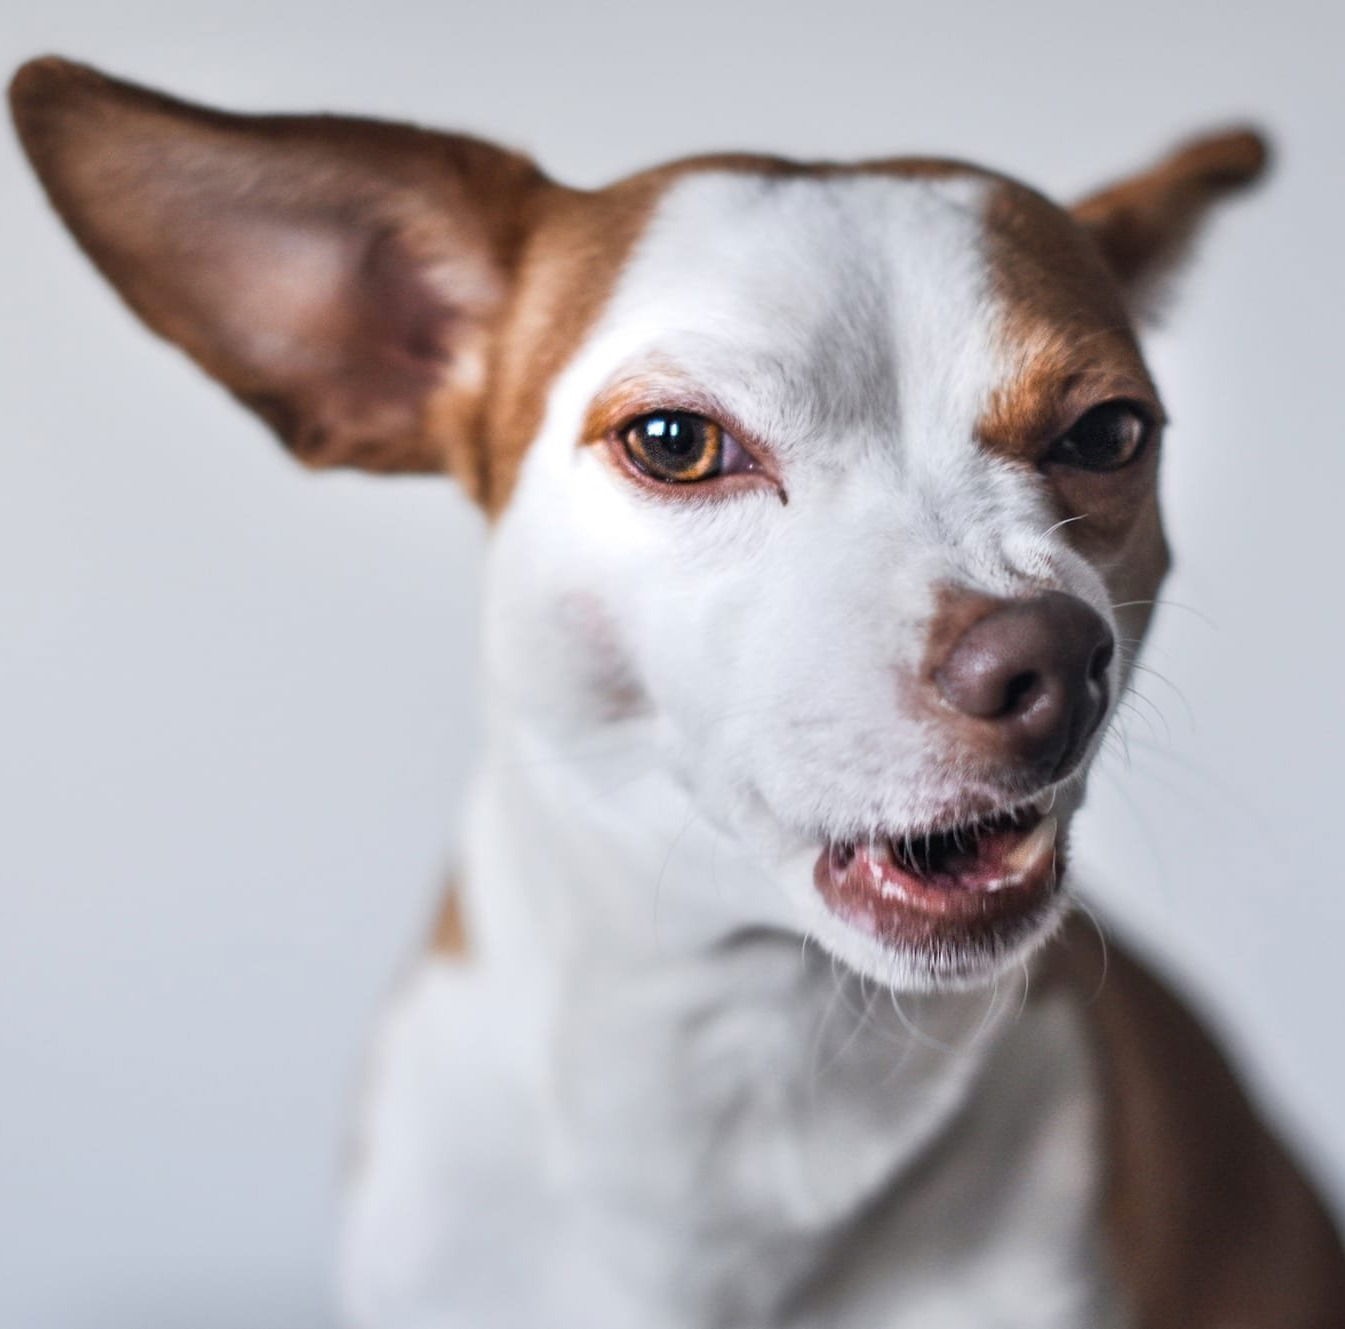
1145,223
343,278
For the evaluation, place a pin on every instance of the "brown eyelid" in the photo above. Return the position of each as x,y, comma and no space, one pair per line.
1026,419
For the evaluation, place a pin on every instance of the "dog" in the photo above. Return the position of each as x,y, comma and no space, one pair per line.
825,524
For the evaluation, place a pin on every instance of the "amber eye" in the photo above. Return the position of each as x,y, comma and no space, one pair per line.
1105,438
675,446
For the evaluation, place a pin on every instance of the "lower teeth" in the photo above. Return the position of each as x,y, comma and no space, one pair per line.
948,855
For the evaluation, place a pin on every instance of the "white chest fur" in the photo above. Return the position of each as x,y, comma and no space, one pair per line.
740,1135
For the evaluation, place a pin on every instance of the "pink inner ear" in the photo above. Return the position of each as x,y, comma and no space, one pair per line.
276,291
294,300
413,313
336,335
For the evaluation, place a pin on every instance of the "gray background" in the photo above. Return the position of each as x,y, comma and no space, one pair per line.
237,701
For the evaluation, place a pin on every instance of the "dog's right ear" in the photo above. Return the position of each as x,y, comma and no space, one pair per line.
1144,224
343,278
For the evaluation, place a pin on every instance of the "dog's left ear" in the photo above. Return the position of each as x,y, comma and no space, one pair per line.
342,278
1145,224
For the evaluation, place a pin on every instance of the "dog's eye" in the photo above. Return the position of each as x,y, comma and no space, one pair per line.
1105,438
677,446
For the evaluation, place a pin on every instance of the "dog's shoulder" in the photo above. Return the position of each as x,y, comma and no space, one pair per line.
1195,1180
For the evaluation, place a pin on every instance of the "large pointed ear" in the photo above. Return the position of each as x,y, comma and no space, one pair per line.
343,278
1145,223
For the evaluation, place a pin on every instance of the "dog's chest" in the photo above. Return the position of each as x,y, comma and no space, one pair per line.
996,1225
709,1178
847,1162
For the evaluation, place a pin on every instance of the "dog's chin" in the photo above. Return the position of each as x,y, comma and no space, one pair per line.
946,907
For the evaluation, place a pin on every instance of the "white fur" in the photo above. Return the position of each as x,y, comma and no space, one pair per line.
652,1102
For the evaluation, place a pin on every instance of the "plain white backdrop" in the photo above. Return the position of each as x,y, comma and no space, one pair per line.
237,701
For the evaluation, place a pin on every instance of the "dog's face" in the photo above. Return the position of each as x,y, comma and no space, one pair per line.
838,482
839,491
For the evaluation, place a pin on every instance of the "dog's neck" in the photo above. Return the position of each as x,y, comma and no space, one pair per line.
728,1100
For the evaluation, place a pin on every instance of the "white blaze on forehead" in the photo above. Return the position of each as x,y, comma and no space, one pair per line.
828,313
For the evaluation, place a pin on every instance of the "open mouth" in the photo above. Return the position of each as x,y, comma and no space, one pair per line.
984,877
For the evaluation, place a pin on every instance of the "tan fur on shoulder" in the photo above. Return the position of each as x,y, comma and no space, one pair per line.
1211,1225
449,936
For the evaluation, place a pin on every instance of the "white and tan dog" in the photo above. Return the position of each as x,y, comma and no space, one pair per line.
824,524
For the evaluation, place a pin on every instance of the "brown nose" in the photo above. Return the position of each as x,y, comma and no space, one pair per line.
1035,670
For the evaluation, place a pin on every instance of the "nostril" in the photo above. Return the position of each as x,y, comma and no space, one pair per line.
1018,691
1101,659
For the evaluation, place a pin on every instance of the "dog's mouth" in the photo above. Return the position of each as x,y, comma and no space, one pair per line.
953,883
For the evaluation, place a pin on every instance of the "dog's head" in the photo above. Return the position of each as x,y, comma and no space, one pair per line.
842,480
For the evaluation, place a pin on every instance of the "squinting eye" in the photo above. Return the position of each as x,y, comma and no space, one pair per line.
676,446
1105,438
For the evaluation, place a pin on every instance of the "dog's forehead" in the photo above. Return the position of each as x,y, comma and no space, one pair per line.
821,301
814,305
